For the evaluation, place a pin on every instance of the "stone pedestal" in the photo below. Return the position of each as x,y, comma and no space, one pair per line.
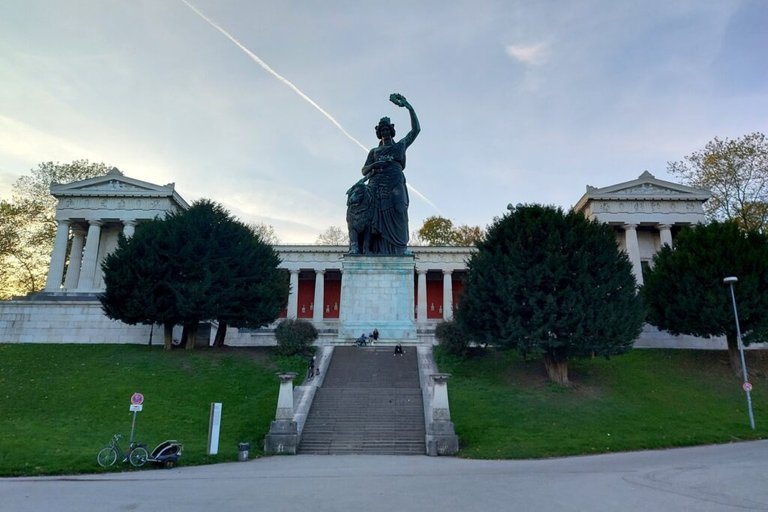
283,436
377,293
441,435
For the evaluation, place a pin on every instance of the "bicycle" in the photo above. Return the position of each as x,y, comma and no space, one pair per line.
137,453
312,370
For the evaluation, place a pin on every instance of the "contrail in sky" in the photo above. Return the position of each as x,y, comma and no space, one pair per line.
295,89
276,74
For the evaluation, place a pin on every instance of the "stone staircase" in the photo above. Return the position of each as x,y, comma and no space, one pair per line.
370,403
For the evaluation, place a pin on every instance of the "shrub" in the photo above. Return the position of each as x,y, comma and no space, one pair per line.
294,336
452,338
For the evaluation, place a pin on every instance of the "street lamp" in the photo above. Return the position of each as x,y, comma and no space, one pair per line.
746,385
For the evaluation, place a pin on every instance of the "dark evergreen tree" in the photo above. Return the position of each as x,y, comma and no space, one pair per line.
551,284
196,265
136,280
685,292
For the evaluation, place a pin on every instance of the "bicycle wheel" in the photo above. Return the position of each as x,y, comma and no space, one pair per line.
139,456
106,457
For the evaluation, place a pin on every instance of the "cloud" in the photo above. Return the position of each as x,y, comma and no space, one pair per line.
24,142
531,54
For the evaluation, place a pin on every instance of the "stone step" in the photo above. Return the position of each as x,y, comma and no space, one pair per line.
362,430
339,449
370,403
353,367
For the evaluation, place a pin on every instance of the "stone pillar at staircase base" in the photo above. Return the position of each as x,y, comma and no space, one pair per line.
283,436
282,439
442,439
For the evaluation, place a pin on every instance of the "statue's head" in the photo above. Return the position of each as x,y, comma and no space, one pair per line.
385,123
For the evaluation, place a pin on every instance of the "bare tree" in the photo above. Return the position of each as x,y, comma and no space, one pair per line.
334,235
266,232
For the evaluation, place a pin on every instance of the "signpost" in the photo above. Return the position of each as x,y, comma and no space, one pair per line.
214,428
137,401
747,387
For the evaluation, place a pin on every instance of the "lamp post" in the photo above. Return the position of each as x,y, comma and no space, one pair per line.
746,385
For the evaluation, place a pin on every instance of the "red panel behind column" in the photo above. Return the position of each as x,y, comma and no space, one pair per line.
306,296
332,297
434,298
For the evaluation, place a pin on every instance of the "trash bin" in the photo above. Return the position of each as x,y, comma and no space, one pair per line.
242,451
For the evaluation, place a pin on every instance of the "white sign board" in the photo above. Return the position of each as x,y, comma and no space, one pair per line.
136,408
214,428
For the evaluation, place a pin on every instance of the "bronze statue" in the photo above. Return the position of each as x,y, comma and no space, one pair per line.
383,169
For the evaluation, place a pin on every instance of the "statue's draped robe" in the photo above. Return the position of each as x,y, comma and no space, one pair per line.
389,226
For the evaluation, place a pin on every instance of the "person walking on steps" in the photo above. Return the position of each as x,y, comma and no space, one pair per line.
398,350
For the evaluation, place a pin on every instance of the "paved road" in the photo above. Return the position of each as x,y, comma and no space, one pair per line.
710,478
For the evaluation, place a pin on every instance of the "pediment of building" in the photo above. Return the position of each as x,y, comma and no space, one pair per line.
115,191
645,188
648,189
111,184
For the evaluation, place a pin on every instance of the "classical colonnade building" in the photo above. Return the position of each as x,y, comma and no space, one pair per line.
645,212
90,215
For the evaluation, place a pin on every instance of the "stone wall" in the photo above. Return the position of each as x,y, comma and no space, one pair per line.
64,321
78,321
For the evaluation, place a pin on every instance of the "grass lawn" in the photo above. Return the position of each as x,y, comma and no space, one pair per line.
503,406
61,403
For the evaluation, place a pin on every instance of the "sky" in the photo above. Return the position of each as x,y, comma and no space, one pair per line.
519,101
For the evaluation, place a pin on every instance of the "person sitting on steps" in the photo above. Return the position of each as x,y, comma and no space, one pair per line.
362,340
398,350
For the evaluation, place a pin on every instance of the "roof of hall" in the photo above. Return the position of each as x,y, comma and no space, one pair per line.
115,183
645,187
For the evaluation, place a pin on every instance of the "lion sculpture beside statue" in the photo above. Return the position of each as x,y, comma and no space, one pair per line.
359,216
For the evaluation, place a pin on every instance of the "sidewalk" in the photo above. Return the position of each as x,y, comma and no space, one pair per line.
709,478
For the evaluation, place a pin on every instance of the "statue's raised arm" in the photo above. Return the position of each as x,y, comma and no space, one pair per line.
399,100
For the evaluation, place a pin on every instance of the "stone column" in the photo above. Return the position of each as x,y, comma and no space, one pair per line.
90,256
75,258
421,296
633,251
319,307
285,396
665,231
129,228
293,296
447,295
441,435
283,436
58,256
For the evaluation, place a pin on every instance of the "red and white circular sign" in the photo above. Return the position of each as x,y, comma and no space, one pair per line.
747,386
137,399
